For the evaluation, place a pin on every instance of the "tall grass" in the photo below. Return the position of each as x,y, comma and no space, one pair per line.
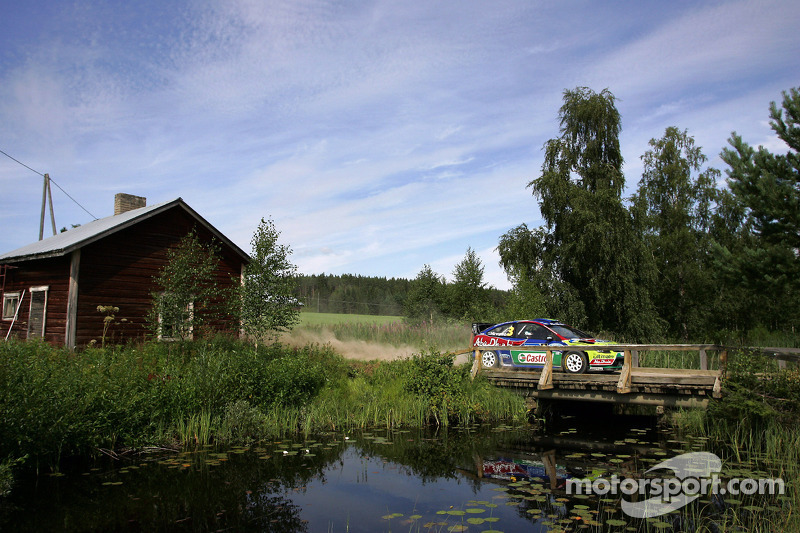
422,335
755,428
55,403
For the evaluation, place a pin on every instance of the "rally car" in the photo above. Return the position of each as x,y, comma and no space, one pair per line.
512,344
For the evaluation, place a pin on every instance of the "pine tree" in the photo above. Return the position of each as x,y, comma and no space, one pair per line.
768,186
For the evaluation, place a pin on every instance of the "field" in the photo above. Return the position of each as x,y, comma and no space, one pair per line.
374,337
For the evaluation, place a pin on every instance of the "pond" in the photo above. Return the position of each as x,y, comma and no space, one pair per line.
470,479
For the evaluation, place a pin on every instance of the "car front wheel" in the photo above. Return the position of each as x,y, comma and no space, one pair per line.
575,362
489,360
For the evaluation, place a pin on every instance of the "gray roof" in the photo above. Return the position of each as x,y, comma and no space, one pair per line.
68,241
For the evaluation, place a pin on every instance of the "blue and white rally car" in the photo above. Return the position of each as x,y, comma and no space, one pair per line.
512,344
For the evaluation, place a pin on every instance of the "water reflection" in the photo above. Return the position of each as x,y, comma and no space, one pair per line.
468,479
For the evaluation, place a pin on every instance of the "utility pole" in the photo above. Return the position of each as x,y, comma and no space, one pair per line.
47,194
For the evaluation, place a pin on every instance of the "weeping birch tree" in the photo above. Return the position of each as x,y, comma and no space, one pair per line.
588,246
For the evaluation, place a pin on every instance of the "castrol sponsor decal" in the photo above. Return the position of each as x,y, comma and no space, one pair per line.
531,358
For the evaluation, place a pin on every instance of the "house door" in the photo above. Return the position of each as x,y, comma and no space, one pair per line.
38,312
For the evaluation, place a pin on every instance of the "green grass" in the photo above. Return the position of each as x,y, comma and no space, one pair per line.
375,330
55,403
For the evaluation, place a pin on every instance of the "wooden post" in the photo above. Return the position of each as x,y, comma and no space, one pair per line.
635,358
716,392
476,363
70,335
50,199
46,193
44,204
703,360
546,379
624,383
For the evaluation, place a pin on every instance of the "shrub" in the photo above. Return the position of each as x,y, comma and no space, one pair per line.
433,376
755,392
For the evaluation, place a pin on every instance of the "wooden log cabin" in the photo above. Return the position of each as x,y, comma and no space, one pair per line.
51,289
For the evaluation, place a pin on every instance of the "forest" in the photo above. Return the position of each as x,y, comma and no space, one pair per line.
694,253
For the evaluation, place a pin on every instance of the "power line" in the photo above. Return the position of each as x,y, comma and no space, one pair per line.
51,181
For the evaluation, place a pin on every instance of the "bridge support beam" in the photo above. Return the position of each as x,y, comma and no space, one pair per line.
664,400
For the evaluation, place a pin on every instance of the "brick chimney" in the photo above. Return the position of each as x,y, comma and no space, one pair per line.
127,202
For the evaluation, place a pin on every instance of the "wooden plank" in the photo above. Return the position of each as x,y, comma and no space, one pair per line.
476,364
666,400
624,383
703,360
685,381
674,371
546,378
71,327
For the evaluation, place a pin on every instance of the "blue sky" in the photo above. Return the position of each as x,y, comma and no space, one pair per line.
379,135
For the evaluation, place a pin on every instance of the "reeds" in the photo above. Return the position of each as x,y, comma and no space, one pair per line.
55,403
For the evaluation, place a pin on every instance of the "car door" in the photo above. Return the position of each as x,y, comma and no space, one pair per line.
532,335
502,339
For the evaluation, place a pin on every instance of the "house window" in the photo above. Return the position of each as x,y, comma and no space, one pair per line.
38,312
175,328
10,304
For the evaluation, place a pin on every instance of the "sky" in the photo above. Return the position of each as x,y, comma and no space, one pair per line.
380,136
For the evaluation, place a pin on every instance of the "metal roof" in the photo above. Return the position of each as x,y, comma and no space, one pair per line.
68,241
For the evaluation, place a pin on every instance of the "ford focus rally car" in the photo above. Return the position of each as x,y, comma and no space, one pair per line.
513,344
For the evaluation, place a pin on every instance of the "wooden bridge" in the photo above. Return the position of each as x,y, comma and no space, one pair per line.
633,384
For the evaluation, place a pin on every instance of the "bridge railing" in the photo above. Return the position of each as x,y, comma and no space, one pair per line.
631,360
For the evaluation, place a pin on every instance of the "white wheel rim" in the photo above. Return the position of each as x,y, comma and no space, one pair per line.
574,362
488,358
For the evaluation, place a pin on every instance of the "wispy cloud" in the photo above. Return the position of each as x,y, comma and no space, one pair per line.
379,135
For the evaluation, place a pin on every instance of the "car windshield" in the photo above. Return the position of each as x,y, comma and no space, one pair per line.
570,333
503,330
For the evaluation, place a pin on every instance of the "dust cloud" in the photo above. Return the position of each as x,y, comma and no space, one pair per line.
360,350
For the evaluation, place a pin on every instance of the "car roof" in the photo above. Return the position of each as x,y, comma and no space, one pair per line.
542,321
547,321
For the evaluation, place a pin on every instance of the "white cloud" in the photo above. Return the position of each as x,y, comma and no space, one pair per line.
379,135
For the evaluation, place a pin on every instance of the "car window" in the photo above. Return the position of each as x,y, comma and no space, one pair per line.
533,331
506,330
569,332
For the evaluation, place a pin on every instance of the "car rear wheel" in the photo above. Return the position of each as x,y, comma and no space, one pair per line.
489,359
575,362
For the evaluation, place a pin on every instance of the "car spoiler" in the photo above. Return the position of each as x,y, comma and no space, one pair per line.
477,327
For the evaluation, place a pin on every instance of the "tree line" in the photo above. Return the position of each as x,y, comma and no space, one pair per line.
685,256
354,294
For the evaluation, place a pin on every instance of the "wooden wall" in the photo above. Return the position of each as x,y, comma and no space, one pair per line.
117,270
52,272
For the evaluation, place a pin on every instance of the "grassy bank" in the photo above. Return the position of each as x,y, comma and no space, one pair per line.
55,403
755,429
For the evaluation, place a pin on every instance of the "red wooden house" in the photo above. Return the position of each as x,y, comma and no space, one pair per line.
51,289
